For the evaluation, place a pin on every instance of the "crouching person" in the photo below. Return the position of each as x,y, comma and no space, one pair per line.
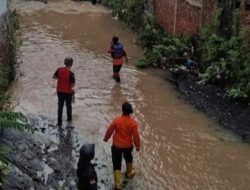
125,134
87,177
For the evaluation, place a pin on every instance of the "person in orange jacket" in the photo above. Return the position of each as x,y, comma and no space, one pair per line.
117,52
125,133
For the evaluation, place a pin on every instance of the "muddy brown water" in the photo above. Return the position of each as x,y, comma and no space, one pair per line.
181,148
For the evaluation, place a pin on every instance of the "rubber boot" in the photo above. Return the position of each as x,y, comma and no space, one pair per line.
130,170
118,179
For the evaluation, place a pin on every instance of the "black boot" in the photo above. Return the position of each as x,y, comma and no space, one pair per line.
118,79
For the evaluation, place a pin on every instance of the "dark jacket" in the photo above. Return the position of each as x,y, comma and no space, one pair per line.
87,177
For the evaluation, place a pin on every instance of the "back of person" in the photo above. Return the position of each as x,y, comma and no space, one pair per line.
125,132
64,81
124,126
117,51
87,177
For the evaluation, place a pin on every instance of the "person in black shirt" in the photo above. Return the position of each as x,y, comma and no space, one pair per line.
87,177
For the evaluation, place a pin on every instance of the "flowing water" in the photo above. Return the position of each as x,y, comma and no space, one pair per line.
181,148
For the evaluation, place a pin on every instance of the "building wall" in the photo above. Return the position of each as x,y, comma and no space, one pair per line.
183,16
189,18
165,14
3,6
245,7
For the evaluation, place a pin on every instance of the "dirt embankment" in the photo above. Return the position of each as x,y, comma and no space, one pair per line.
46,159
215,104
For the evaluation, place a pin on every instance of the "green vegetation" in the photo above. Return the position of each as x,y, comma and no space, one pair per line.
13,120
10,120
9,46
130,12
221,46
226,59
3,167
159,46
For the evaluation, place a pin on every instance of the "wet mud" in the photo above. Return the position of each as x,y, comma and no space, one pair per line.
214,102
45,159
181,148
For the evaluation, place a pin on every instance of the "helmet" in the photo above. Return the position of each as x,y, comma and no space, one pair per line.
127,108
87,151
68,61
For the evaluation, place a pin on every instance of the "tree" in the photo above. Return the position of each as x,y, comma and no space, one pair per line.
226,18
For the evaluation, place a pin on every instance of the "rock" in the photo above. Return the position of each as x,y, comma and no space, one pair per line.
36,165
16,179
28,170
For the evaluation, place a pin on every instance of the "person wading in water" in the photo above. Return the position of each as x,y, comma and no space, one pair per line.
125,133
117,52
65,83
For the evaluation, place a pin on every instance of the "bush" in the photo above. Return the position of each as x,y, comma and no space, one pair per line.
129,11
223,55
226,60
158,45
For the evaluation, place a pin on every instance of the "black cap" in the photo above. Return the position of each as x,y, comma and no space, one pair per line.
87,151
127,108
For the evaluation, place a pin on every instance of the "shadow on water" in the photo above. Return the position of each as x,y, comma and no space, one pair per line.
65,139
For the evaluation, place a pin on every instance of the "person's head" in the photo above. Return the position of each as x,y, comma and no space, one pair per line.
115,40
127,108
186,55
68,62
87,152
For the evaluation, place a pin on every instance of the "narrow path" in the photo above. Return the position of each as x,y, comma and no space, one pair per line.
181,148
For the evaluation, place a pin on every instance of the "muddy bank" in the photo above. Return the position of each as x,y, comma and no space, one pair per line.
46,159
214,103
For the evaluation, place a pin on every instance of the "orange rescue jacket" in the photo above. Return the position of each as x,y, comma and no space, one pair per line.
125,132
